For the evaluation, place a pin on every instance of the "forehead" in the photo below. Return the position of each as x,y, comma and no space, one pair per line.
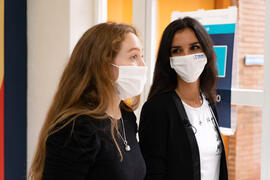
184,37
131,41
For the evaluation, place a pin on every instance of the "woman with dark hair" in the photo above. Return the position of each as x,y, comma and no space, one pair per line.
89,131
179,134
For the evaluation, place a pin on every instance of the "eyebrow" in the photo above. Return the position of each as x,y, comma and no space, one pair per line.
189,44
132,49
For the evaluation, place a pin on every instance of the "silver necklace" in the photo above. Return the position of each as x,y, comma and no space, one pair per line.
127,147
124,139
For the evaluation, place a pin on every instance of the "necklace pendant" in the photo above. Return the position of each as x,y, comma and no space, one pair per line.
127,147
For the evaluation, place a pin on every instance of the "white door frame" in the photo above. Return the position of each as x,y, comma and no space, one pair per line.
144,19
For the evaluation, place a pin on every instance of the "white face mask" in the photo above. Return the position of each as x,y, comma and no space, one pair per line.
131,80
189,67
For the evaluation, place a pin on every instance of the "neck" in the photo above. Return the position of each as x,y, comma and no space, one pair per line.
189,92
113,109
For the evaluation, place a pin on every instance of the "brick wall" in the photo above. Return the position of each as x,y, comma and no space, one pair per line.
244,148
251,41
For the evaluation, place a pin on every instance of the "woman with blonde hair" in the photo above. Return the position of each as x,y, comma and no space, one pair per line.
89,131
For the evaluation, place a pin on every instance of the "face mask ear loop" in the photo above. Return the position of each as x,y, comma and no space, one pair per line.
171,63
115,65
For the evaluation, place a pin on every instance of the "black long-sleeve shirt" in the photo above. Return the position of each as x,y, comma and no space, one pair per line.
89,153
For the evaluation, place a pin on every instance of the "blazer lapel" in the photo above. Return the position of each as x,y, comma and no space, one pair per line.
190,134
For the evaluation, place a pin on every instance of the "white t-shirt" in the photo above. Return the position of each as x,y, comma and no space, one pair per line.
207,138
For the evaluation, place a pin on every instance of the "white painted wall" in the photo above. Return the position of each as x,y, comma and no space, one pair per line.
81,18
53,28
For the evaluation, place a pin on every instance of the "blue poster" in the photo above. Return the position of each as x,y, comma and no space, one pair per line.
223,38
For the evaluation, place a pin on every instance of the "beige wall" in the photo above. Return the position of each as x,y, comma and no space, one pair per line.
53,28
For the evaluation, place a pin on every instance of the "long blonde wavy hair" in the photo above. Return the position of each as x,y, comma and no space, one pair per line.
85,86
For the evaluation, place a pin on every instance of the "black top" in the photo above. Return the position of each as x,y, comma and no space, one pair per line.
89,153
168,143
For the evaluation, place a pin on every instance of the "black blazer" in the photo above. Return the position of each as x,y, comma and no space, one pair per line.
168,143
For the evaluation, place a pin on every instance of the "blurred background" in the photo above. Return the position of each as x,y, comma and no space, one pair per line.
37,38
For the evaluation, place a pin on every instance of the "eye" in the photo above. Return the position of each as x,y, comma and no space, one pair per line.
134,57
195,47
176,51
